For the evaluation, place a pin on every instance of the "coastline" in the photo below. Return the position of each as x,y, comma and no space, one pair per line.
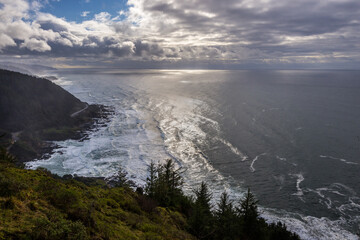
35,112
31,145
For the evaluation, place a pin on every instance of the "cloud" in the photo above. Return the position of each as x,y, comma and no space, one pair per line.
85,13
261,32
6,41
13,10
102,17
35,45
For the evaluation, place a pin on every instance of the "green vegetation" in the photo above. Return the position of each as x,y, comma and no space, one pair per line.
35,204
38,205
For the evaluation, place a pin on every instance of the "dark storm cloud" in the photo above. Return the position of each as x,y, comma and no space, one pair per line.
144,48
260,23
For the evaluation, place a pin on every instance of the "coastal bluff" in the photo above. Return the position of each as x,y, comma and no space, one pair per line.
34,111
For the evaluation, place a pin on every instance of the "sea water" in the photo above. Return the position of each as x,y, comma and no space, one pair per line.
293,137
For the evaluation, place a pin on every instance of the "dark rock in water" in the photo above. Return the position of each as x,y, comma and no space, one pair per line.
35,110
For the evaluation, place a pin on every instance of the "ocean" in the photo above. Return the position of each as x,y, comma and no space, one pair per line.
291,136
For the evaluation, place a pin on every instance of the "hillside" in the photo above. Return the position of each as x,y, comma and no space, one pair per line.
35,205
33,110
28,102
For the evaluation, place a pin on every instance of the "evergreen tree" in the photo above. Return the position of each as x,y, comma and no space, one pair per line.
226,219
201,219
248,213
203,197
227,222
164,184
170,183
120,180
151,180
248,207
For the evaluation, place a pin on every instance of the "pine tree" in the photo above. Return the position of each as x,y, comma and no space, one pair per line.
249,217
201,219
120,180
226,219
203,197
170,183
248,207
164,183
151,180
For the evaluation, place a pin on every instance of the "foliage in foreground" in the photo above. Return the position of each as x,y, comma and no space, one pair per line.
39,205
34,204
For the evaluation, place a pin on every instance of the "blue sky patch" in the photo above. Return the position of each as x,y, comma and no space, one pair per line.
80,10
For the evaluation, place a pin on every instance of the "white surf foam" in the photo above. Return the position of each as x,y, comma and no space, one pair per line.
308,227
281,158
285,160
254,160
234,149
300,178
340,159
180,127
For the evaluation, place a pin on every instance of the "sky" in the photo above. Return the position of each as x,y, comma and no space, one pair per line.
216,34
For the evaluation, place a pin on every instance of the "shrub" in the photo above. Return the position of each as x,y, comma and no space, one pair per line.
58,195
59,230
9,204
44,171
9,187
5,156
146,203
33,206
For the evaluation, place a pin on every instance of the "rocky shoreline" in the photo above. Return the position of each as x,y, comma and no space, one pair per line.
40,144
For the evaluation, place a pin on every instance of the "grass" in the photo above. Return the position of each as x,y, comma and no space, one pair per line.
36,205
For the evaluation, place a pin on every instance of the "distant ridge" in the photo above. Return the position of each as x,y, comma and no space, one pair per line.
31,69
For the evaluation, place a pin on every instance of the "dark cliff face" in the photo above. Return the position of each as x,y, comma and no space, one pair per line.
30,102
34,110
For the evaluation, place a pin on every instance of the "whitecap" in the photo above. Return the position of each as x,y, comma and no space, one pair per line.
254,160
300,178
281,158
340,159
234,149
